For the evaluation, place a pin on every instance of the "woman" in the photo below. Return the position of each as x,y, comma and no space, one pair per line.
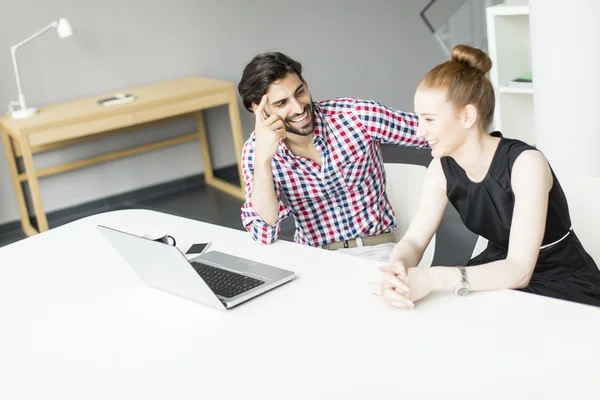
503,189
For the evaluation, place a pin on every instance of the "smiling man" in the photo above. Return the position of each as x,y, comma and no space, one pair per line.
323,157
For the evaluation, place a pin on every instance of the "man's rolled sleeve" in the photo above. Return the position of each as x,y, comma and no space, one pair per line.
388,125
259,229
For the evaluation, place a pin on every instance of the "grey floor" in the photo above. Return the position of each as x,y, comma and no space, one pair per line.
453,247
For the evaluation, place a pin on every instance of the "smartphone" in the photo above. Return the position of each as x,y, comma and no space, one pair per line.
197,248
119,98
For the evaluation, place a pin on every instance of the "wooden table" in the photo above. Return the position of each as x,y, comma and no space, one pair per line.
74,122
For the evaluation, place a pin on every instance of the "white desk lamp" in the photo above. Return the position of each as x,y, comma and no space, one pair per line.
64,30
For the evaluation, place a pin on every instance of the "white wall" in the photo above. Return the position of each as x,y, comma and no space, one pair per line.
378,49
565,56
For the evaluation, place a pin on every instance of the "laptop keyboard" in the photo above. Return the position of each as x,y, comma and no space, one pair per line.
225,283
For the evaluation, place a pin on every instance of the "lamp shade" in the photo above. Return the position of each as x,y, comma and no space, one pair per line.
64,29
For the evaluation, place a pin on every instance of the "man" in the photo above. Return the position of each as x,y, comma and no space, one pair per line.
325,158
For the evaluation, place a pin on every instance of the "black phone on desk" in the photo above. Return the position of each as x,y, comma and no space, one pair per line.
197,248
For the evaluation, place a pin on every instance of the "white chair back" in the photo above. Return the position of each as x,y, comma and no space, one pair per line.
404,184
480,246
583,196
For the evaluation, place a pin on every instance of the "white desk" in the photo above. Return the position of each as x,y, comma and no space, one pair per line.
72,313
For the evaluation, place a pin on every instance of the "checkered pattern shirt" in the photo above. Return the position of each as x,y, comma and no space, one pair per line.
345,198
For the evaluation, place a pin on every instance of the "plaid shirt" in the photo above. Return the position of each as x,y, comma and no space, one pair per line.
345,198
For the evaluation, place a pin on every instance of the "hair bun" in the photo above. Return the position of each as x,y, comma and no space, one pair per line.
471,57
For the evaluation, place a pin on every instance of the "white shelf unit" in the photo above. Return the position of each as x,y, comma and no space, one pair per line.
509,47
504,89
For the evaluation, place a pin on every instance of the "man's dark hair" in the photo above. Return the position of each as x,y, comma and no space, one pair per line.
263,70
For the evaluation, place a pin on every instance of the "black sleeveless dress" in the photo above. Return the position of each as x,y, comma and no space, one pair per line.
564,270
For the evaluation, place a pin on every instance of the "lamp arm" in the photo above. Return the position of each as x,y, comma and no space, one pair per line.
53,24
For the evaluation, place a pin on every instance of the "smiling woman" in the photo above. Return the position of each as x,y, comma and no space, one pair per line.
459,84
503,189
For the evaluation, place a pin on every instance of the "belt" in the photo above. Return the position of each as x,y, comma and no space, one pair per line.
547,246
388,237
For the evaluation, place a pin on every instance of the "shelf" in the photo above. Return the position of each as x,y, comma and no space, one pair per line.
517,90
508,10
509,46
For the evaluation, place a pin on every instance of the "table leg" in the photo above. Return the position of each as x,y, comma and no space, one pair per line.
238,136
34,187
210,179
11,158
204,148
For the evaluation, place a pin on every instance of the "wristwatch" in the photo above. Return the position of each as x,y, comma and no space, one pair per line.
463,287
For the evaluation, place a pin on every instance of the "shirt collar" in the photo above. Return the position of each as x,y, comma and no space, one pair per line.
320,126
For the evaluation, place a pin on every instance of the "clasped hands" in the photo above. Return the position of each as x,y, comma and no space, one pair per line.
401,287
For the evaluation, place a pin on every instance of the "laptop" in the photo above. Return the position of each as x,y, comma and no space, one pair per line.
215,279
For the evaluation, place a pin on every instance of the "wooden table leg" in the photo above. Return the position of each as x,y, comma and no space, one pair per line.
204,148
218,183
34,187
18,188
238,136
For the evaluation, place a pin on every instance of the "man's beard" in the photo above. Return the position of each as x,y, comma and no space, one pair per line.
304,131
